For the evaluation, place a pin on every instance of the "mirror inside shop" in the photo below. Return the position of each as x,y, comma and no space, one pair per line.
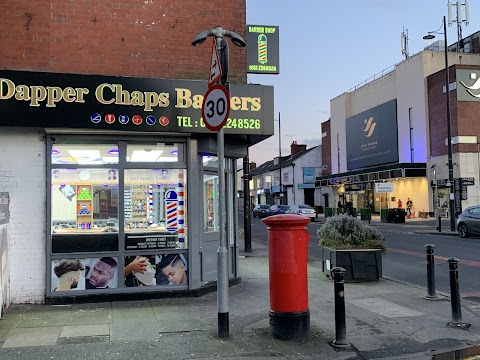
88,200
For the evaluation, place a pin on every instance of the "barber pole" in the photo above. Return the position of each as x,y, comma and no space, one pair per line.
150,205
181,211
171,204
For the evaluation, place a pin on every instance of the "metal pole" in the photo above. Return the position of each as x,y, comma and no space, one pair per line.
455,295
280,158
431,295
246,205
449,131
222,253
340,322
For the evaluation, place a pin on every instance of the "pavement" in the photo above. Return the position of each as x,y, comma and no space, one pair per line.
384,320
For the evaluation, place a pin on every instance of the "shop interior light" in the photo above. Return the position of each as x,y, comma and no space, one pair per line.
86,156
174,152
55,152
145,155
110,159
113,151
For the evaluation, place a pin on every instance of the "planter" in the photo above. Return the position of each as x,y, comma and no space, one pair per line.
365,213
328,212
360,264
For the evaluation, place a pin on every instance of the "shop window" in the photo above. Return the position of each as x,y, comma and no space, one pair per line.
154,208
85,154
211,203
158,152
84,202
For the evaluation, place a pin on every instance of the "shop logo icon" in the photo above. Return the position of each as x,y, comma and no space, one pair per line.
96,118
150,120
109,118
262,49
123,119
369,127
163,121
137,119
475,86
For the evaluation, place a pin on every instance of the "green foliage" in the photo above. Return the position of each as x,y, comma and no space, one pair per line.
346,232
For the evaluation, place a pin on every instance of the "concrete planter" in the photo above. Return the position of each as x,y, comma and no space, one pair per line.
360,264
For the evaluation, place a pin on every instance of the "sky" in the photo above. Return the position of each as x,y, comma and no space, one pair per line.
328,47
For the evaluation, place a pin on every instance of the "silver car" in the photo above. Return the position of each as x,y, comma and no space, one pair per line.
303,210
468,222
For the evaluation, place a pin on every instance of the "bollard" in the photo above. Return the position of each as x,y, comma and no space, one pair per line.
287,255
340,323
439,224
369,217
431,272
455,296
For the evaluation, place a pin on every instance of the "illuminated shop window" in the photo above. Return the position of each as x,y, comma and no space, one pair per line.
84,200
155,202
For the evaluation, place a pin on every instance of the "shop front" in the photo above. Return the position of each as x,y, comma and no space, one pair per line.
131,179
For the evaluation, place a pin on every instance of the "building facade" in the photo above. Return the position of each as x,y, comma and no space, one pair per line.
111,175
393,130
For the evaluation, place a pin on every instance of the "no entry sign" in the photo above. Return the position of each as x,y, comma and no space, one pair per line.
215,107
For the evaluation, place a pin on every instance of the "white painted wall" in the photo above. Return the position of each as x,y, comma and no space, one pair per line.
311,159
23,175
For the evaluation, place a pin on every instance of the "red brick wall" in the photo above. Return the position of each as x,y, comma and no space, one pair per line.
465,115
141,38
326,150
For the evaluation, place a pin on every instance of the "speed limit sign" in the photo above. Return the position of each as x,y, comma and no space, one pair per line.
215,107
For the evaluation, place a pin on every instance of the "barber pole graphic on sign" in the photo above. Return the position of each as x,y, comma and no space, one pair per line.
171,205
181,211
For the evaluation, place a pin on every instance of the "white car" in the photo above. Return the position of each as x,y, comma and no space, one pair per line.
303,210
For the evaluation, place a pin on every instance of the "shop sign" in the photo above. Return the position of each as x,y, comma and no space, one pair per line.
51,100
4,208
383,187
468,85
309,175
263,49
354,187
372,137
147,242
306,186
469,181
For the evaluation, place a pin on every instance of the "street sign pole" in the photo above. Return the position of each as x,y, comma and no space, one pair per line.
215,110
222,253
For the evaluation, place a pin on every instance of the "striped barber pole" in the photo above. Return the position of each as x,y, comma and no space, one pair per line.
150,205
171,204
181,211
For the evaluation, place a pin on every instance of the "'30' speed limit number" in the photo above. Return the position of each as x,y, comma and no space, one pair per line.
215,107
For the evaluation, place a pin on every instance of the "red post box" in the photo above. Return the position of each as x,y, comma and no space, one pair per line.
288,253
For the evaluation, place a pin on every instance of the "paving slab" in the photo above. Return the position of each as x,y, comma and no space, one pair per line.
134,330
385,308
85,330
38,336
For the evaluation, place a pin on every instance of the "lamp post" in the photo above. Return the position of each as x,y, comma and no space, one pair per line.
449,130
222,252
280,192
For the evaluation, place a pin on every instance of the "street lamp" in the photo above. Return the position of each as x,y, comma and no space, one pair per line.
449,130
222,253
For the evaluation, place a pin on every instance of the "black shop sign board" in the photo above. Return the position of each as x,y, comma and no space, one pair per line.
150,241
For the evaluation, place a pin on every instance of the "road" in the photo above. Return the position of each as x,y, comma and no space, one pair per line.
405,259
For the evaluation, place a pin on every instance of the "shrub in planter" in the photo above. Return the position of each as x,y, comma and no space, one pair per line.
347,242
346,232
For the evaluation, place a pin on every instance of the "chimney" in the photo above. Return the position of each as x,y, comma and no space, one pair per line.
295,149
252,166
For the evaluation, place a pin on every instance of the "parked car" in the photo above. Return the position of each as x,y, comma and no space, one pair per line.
303,210
468,222
278,209
261,210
